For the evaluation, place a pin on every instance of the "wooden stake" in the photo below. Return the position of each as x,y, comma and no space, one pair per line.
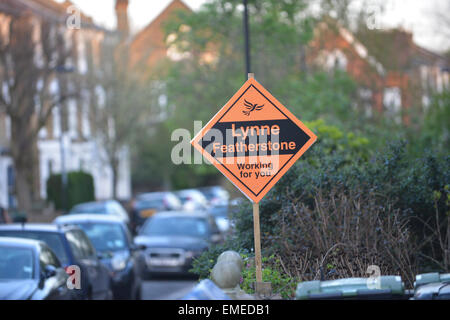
260,287
257,238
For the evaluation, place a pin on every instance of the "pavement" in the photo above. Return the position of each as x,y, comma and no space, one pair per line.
167,287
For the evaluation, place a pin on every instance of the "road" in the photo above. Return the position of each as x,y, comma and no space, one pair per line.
167,288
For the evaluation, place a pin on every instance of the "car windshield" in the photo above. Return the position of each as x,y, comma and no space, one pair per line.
95,208
176,226
16,263
105,236
52,239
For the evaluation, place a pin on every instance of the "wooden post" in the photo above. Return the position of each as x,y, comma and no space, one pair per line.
256,230
257,238
261,288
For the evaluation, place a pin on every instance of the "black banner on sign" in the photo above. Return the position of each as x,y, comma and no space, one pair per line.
248,138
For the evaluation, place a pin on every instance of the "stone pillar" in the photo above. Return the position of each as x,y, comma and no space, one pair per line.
226,274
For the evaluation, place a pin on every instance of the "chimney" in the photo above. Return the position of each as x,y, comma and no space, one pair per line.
122,18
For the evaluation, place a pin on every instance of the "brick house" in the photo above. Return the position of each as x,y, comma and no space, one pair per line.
68,134
149,45
392,72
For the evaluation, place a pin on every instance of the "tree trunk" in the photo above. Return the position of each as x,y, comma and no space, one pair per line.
24,153
23,190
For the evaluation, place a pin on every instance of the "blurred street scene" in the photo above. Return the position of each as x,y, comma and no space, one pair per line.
99,185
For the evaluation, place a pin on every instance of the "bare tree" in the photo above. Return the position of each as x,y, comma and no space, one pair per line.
30,56
122,104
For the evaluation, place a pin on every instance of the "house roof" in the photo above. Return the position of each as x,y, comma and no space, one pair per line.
358,47
396,50
156,22
149,46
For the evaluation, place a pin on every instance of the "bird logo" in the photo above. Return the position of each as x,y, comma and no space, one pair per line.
251,107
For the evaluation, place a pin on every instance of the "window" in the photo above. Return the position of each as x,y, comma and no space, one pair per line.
80,245
48,258
86,245
52,239
365,96
16,263
392,100
106,236
73,119
334,60
56,122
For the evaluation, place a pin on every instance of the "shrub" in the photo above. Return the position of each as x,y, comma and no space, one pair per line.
203,265
80,188
342,234
272,272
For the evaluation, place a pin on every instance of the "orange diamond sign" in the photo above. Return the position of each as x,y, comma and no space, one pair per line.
253,140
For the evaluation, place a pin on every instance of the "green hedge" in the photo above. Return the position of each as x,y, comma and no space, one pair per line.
80,189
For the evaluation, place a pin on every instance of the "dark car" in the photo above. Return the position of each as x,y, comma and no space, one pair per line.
113,242
72,247
172,239
29,270
106,207
147,204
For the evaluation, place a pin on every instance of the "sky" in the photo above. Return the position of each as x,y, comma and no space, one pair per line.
418,16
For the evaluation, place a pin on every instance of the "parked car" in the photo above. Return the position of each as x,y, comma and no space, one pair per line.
114,244
192,200
29,270
107,207
147,204
173,239
216,195
72,247
222,217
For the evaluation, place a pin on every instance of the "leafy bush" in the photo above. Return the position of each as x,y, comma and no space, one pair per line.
80,188
271,272
398,176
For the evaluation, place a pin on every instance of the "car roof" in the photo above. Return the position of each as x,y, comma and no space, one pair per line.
188,190
86,217
41,227
153,194
92,203
182,214
20,242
